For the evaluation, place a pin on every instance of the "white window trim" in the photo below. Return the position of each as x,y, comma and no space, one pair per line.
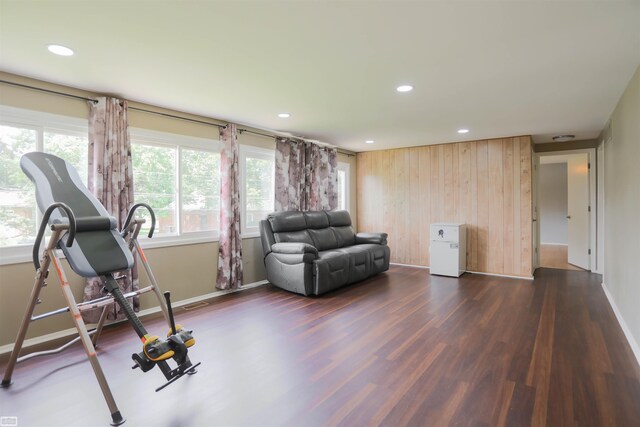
40,122
176,141
46,122
14,116
257,152
346,167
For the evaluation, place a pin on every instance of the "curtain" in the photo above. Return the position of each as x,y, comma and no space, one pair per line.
230,245
306,176
111,181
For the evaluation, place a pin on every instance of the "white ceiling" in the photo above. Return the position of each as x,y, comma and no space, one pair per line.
498,68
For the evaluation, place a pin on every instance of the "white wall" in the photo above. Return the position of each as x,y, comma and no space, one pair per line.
553,203
622,210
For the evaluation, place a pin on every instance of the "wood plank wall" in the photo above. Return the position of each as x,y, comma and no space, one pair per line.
485,184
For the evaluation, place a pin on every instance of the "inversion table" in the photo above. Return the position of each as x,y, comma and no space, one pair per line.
82,228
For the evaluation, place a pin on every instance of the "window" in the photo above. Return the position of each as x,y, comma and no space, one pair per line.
257,179
17,199
154,183
343,186
200,187
179,177
23,131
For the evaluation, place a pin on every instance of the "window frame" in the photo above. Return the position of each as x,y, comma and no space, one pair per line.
346,168
259,153
41,123
178,142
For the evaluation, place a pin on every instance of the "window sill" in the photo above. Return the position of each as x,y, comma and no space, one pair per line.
23,253
16,254
163,242
250,235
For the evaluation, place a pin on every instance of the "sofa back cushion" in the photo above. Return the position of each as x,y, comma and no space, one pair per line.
345,236
301,236
287,221
323,229
323,238
340,222
289,226
316,219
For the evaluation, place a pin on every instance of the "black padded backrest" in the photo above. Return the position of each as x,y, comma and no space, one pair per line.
323,238
316,219
344,235
300,236
289,226
322,229
340,222
98,248
287,221
318,227
338,218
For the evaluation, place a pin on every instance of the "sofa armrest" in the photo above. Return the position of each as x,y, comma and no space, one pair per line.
294,253
378,238
293,248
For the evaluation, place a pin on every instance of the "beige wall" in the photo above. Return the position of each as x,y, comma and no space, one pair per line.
485,184
622,207
188,271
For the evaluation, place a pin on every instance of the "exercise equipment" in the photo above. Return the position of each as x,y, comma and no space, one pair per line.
82,228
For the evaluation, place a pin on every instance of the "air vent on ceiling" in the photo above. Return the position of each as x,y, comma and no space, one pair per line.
563,138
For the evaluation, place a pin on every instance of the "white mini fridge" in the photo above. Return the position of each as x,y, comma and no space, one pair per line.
448,249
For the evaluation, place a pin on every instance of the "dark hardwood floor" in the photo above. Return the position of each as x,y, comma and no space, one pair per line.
403,348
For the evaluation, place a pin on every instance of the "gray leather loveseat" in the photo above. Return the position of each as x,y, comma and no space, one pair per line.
317,251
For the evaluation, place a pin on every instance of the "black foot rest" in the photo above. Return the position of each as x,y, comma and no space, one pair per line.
185,335
181,370
156,352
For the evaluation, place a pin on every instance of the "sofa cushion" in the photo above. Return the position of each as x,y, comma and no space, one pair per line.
379,256
344,235
323,238
359,262
331,271
287,221
316,219
301,236
339,218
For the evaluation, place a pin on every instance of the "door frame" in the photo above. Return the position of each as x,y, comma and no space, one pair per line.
600,211
593,220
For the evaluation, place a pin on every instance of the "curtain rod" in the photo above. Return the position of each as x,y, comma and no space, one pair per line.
275,137
173,116
84,98
68,95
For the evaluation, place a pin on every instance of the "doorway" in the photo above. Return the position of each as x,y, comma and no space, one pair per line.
565,195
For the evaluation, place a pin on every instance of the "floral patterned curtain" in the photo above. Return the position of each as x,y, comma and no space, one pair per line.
111,181
306,176
230,245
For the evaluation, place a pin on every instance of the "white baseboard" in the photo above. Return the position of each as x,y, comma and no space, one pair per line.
142,313
409,265
501,275
627,332
468,271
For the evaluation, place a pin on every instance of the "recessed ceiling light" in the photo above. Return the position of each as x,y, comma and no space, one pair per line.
284,115
463,130
369,141
60,50
404,88
563,138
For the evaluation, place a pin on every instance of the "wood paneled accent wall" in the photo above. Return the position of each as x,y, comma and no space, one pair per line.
485,184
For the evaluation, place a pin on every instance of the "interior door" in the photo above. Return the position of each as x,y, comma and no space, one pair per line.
534,213
578,214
